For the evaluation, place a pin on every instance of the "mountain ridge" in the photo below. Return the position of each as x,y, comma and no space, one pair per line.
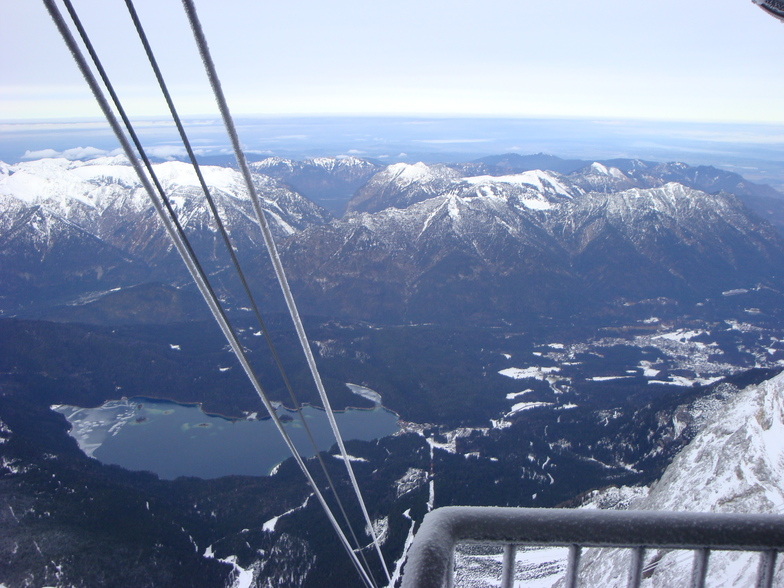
432,245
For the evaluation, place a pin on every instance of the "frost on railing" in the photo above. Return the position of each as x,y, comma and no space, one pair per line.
431,558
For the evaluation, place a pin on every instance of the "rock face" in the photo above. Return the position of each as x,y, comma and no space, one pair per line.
735,464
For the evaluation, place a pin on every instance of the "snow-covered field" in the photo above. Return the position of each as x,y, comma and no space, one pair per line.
535,567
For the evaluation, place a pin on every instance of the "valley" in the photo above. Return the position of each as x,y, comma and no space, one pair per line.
540,333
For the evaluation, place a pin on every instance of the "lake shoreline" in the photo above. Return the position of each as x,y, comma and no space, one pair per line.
174,439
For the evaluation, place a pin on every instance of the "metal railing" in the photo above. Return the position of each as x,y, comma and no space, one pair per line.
430,561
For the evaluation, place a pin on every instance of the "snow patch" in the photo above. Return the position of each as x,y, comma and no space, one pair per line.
270,524
365,392
681,335
607,378
514,395
539,373
410,481
351,458
5,432
523,406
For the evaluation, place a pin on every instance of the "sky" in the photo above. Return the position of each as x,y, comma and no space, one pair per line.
676,60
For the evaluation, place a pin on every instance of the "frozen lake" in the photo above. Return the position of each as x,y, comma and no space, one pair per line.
175,440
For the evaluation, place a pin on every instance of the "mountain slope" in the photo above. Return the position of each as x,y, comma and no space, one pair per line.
401,185
90,226
734,464
432,246
531,244
328,181
767,202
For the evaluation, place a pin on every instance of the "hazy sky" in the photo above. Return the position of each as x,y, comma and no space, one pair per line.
711,60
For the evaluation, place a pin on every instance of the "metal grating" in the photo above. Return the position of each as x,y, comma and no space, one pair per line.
430,561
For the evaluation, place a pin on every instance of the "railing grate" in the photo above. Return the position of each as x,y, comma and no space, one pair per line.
431,558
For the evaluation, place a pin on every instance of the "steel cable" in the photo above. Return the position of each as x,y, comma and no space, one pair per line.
174,231
230,249
212,74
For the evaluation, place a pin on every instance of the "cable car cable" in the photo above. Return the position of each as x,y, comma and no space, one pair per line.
212,74
227,242
192,265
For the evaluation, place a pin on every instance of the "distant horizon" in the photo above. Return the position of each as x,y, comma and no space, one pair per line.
755,150
97,118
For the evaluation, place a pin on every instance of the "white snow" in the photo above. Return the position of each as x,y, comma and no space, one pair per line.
681,335
500,423
522,406
602,170
537,567
452,436
406,173
406,547
536,204
271,523
684,381
365,392
380,530
5,431
243,577
12,466
411,480
607,378
647,369
734,464
513,395
539,373
81,192
351,458
541,181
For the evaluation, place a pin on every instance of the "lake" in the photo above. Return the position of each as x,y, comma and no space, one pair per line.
175,440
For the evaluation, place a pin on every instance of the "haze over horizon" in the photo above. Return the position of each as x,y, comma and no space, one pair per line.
674,61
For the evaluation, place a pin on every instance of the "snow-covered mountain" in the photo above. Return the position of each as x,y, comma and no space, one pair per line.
431,245
734,464
644,174
443,245
536,242
401,185
91,225
95,192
